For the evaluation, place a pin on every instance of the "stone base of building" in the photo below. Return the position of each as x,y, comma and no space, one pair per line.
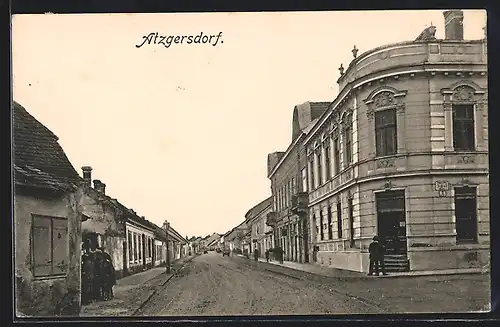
46,298
449,258
421,259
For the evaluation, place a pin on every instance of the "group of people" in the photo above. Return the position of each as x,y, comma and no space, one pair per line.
98,274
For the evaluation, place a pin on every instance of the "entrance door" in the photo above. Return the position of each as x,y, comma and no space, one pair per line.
391,221
305,233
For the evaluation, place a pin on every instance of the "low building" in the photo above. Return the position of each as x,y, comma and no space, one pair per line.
236,238
47,222
260,232
103,225
402,152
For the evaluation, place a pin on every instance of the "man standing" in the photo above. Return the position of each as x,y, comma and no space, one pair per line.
376,250
267,255
108,275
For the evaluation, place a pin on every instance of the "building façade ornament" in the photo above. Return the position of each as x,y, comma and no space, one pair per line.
385,163
464,91
385,97
465,159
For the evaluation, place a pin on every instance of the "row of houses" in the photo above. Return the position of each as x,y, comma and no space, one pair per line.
401,152
56,211
209,243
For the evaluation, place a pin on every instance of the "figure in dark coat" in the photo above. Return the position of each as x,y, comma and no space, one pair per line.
377,251
88,271
267,255
108,276
256,255
99,275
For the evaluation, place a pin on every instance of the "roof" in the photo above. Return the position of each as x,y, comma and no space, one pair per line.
256,210
39,160
305,113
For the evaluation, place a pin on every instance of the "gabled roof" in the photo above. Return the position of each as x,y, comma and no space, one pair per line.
257,209
305,113
39,160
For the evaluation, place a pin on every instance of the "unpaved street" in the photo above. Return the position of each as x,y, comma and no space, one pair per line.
216,285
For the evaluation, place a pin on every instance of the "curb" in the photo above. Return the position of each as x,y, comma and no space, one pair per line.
364,277
157,288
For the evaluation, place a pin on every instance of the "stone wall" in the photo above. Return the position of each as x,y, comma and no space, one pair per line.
50,295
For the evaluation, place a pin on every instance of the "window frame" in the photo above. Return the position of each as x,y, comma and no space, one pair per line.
385,129
462,121
51,274
319,159
336,154
473,221
339,221
348,156
329,218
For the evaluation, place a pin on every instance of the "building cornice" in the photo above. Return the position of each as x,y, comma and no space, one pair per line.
432,68
289,150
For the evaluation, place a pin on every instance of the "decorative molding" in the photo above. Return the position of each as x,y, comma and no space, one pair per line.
387,185
466,159
442,187
386,163
384,97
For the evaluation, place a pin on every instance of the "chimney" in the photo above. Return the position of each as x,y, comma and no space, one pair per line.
87,175
454,24
99,186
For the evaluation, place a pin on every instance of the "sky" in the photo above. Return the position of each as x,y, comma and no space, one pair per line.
182,133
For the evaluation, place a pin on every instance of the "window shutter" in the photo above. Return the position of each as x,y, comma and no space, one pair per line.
60,253
42,263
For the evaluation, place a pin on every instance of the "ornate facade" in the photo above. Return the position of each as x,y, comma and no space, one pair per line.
402,152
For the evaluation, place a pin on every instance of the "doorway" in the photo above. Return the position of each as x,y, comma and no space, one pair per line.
305,233
391,221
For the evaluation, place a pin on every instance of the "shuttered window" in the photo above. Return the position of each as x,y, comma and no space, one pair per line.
49,246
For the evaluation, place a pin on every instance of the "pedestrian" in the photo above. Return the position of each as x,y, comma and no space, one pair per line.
99,275
256,255
376,250
108,276
267,255
87,275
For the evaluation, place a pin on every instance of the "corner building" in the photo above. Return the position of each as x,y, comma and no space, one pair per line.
402,152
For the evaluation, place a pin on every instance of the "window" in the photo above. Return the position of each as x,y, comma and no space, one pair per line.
466,214
339,220
385,132
348,140
49,242
351,222
463,127
130,247
311,169
321,233
304,179
336,153
140,247
330,231
328,173
135,247
320,168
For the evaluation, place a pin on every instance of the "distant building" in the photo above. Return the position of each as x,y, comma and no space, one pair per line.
47,221
288,174
402,152
260,232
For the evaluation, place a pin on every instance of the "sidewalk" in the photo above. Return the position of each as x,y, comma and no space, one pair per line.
132,291
335,272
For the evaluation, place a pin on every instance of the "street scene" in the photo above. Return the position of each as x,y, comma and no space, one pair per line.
215,285
192,185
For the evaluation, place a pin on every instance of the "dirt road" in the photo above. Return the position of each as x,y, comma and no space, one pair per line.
215,285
